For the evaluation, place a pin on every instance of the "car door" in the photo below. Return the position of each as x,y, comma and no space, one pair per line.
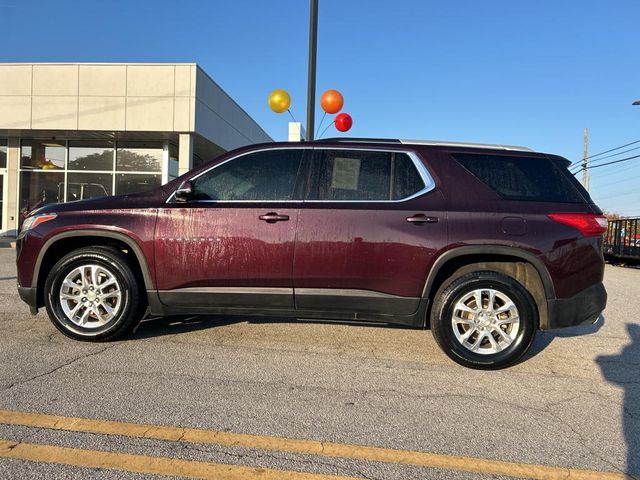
368,232
232,244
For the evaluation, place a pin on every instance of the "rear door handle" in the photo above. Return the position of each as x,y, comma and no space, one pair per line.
273,217
420,219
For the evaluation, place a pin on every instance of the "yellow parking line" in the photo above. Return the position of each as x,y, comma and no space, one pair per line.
148,465
313,447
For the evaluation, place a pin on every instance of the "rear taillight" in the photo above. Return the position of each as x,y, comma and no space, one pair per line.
589,224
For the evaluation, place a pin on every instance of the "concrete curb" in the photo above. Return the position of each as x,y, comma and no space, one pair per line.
8,242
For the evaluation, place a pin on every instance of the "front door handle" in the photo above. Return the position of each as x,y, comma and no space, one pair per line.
420,219
273,217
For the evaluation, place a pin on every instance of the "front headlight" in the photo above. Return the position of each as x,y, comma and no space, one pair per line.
32,222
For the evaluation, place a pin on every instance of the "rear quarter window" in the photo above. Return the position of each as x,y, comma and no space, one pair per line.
525,178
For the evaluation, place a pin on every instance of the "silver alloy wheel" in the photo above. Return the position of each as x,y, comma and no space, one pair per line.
485,321
90,296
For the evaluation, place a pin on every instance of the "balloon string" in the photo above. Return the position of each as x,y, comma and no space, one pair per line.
291,115
323,115
325,128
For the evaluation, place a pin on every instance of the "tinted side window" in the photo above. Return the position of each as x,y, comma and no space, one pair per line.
269,175
523,178
353,175
406,179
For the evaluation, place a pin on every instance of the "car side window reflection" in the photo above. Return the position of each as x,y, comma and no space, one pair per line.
268,175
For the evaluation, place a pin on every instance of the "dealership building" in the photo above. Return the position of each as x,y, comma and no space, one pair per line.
81,130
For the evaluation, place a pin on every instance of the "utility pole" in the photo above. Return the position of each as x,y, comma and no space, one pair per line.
585,154
311,81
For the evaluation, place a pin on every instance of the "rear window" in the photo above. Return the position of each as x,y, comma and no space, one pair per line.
525,178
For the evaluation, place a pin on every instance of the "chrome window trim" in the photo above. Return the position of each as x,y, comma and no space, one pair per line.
427,179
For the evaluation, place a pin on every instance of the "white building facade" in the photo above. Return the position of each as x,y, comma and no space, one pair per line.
81,130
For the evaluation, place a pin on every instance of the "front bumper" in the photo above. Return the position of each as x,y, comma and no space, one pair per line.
585,307
29,296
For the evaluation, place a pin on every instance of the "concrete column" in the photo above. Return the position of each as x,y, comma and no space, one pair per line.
296,132
165,162
185,153
13,161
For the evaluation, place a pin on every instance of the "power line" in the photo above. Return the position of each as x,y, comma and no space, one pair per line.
618,182
608,163
618,194
616,154
602,153
625,168
615,161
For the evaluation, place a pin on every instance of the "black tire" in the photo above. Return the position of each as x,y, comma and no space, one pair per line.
454,290
133,302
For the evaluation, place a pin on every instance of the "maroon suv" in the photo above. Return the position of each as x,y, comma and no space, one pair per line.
485,244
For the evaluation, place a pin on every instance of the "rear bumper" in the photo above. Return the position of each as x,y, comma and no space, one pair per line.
585,307
29,296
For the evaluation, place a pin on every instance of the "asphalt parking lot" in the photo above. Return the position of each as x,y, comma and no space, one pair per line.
232,398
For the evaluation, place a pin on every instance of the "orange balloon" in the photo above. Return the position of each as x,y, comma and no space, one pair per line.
331,101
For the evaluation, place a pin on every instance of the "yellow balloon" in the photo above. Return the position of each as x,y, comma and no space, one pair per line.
279,101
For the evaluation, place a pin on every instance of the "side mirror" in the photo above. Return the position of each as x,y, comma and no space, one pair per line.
184,193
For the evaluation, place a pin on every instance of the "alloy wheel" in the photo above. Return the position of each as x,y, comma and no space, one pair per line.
485,321
90,296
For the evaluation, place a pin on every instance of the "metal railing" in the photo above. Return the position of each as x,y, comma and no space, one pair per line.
623,238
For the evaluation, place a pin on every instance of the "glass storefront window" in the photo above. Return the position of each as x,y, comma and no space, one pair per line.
139,157
173,162
90,156
81,186
40,188
84,169
3,154
134,183
42,155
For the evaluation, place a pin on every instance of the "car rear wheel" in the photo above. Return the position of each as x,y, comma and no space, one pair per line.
92,294
484,320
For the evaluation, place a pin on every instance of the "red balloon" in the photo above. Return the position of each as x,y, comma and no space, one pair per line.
343,122
331,101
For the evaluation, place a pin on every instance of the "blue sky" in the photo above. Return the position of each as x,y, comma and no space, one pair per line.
532,73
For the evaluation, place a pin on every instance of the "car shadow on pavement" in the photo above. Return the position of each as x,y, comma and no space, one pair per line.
623,370
544,338
160,326
176,324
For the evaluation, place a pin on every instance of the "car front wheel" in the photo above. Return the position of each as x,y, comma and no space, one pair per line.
92,294
484,320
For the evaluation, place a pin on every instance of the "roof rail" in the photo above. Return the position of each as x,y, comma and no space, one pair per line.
426,142
467,144
359,140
